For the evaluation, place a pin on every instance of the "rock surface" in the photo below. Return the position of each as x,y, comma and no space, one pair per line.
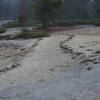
79,85
64,66
11,51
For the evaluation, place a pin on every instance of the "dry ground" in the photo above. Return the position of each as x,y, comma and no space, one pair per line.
64,66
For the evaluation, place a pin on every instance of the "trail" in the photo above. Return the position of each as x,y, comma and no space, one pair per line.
39,63
49,73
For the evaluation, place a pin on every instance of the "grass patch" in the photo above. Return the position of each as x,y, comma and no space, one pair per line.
2,30
25,34
97,22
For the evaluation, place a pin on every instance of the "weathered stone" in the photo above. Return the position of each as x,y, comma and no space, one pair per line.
97,52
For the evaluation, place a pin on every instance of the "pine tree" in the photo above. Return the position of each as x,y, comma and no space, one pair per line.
47,11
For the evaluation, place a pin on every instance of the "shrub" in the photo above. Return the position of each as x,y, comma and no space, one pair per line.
65,23
25,34
2,30
12,25
39,34
97,22
79,22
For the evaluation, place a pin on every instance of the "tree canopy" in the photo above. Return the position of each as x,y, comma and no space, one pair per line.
47,11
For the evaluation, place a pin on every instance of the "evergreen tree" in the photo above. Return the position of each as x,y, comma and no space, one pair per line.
47,11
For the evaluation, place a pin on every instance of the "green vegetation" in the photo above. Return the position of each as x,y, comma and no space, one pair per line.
58,13
47,11
73,9
2,30
79,22
58,23
17,23
97,22
25,34
12,24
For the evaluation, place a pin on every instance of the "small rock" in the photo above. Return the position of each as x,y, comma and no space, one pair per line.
51,69
2,70
6,68
89,68
88,60
81,46
97,52
78,53
15,65
89,50
11,82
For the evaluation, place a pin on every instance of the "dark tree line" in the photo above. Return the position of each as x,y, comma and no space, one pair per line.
82,9
9,8
12,8
73,9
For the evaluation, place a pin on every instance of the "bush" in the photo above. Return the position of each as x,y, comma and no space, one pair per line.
2,30
97,22
79,22
12,24
39,34
25,34
66,23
